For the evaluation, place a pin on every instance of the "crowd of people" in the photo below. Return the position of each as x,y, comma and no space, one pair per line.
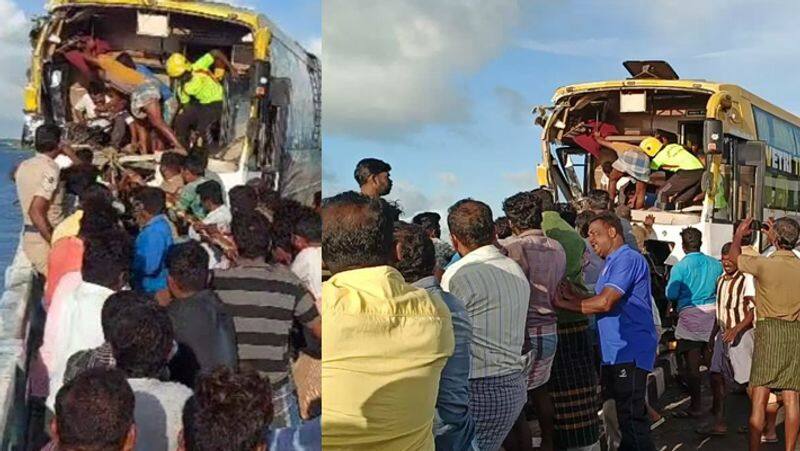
171,316
549,312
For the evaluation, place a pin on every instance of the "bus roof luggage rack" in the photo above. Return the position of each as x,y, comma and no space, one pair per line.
657,69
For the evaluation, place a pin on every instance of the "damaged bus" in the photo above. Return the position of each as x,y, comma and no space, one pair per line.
749,146
270,125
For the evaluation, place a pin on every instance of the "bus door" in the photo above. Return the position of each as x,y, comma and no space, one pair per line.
748,180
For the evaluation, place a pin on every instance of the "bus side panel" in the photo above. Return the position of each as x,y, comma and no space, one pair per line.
299,125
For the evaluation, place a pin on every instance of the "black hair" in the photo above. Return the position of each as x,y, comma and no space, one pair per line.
210,190
94,411
726,248
187,264
598,200
523,211
309,226
195,164
98,217
692,239
610,220
251,233
152,199
746,240
429,221
582,222
567,212
243,199
228,411
471,222
96,192
47,138
356,232
116,304
788,231
125,59
141,339
546,200
172,160
106,257
367,167
85,155
417,254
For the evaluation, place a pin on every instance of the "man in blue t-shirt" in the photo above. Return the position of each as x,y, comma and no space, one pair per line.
625,325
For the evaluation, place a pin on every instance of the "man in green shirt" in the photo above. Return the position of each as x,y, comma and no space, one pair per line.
193,174
686,169
199,92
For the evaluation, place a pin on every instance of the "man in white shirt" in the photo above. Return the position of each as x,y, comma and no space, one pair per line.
106,263
495,293
307,264
216,223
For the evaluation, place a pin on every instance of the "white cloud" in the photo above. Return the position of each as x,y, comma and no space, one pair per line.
392,67
574,47
448,179
314,45
521,180
14,58
518,110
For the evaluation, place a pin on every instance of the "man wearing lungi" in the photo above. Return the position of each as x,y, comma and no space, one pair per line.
776,364
625,325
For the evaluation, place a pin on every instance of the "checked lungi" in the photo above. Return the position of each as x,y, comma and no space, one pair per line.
573,387
495,404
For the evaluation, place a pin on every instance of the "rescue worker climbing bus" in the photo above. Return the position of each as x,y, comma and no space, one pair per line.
248,94
691,153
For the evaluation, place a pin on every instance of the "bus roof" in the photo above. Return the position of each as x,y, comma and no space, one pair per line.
710,87
213,10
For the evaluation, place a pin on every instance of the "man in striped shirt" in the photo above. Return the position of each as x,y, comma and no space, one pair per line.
263,299
495,292
733,347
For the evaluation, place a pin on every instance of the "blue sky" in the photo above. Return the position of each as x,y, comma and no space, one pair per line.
300,19
444,95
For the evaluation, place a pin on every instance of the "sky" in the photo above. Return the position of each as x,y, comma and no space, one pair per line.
300,19
442,89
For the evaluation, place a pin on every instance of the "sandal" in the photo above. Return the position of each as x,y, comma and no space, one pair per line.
764,439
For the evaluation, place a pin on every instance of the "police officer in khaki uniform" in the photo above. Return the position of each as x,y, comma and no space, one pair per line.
40,196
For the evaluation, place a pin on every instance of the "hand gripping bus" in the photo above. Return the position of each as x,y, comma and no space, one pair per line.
750,148
270,126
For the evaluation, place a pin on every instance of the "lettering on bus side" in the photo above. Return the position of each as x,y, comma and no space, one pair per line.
783,161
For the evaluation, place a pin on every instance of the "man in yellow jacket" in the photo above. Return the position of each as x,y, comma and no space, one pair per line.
686,169
199,92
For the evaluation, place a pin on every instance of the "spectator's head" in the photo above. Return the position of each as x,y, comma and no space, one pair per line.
373,178
210,193
94,412
187,269
47,139
471,225
786,233
252,235
243,199
598,201
115,306
78,178
624,212
502,227
356,232
194,167
228,412
141,340
523,211
582,222
546,199
171,164
148,202
107,259
307,231
567,212
691,240
747,240
415,254
728,264
86,156
429,221
96,193
605,233
98,217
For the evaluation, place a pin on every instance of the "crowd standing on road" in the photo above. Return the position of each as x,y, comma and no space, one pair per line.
169,318
549,312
